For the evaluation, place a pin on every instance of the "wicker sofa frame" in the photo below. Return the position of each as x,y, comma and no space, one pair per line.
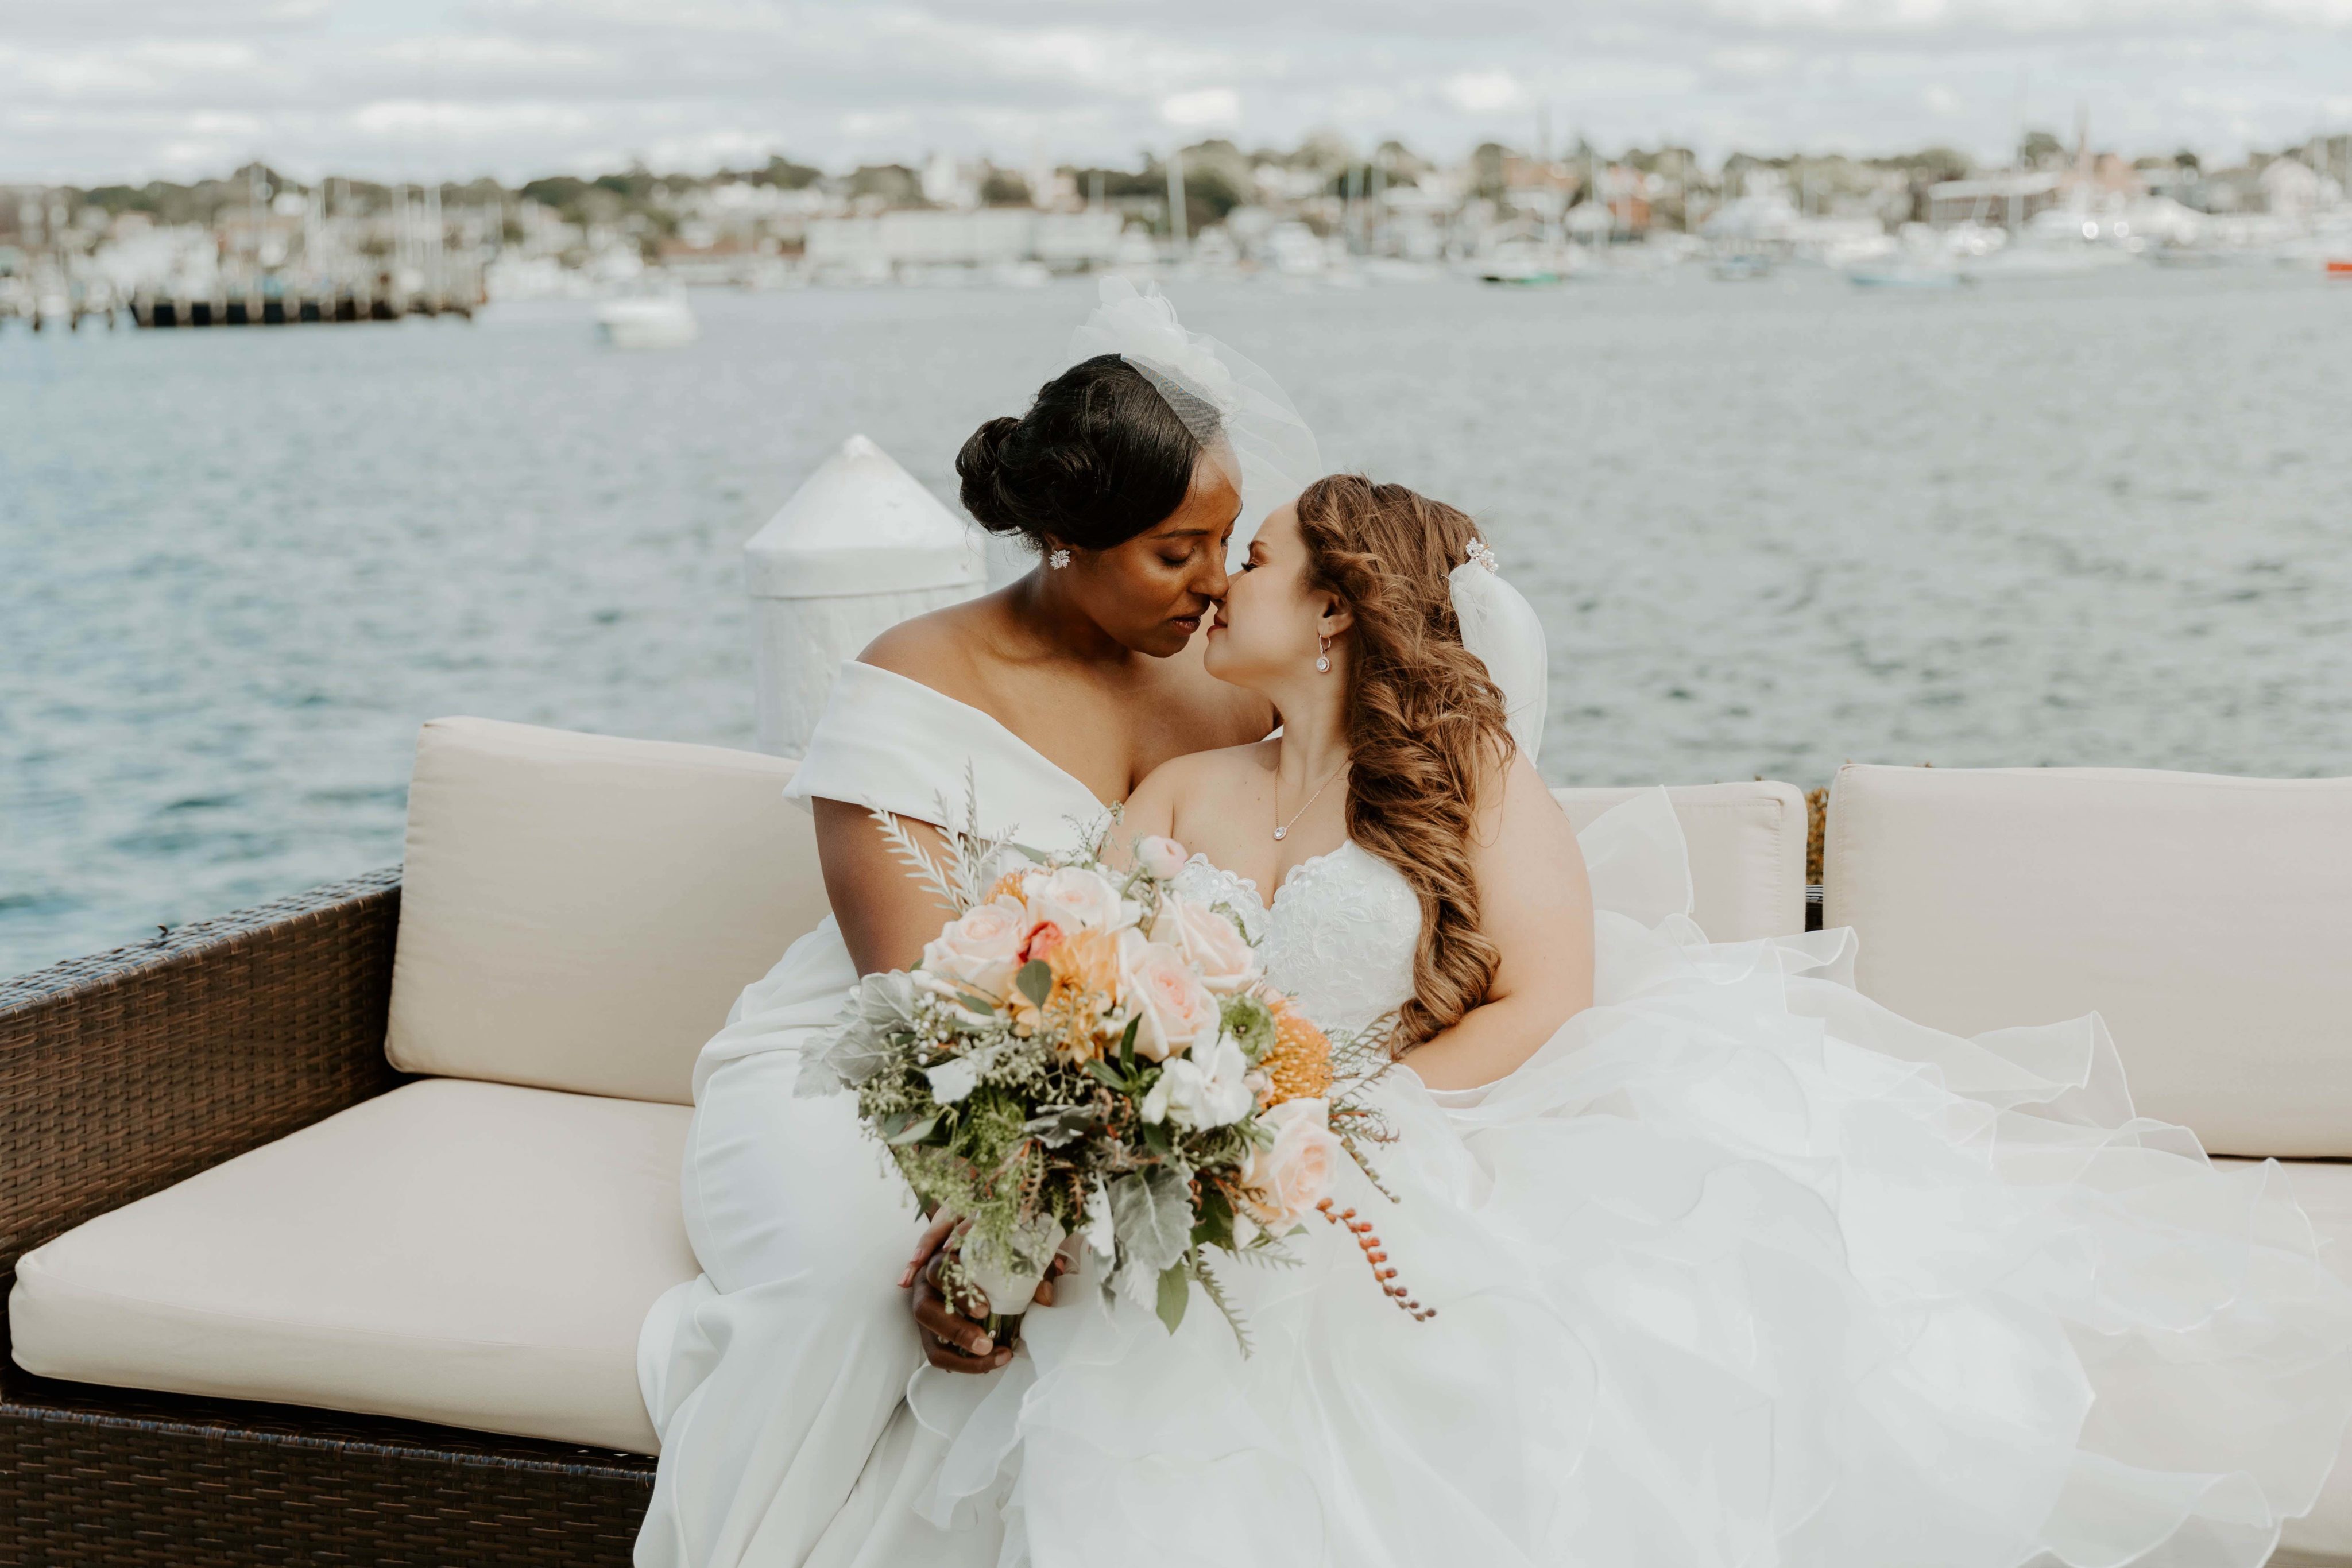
127,1072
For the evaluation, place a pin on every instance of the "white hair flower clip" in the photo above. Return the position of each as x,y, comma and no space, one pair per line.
1485,556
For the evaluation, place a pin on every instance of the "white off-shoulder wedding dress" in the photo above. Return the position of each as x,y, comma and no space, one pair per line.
1739,1269
776,1379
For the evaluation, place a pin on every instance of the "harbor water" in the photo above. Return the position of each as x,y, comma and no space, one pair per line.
1770,525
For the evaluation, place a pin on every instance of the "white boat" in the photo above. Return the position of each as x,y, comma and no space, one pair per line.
647,320
1907,272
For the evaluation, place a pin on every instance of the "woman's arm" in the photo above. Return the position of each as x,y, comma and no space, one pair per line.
886,912
1535,905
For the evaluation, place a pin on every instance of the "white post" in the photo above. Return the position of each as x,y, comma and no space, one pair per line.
858,549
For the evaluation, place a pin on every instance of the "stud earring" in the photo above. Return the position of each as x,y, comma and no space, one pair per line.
1323,656
1058,559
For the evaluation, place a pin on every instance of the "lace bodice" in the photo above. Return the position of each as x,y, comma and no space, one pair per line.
1339,937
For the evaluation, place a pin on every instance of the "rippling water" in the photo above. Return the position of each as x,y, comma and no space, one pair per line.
1771,526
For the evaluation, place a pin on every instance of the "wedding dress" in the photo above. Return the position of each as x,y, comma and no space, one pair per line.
1739,1269
775,1379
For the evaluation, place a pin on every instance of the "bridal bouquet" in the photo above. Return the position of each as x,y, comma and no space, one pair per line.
1086,1053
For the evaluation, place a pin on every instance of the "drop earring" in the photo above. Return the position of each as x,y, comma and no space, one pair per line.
1323,656
1058,559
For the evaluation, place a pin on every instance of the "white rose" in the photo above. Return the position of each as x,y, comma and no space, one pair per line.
1174,1010
978,953
1161,858
1209,1088
1214,943
1074,899
1289,1178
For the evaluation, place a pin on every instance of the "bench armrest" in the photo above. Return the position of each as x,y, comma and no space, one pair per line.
125,1071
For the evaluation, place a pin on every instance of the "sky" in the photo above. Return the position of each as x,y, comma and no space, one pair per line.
95,91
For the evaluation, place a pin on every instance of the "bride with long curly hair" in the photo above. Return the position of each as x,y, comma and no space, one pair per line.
1728,1263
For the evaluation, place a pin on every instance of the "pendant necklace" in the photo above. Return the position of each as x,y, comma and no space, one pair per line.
1282,829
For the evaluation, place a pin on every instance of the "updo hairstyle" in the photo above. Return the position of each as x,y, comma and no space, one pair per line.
1099,457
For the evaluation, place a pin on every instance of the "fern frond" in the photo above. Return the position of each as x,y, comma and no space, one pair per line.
920,864
1270,1254
1216,1290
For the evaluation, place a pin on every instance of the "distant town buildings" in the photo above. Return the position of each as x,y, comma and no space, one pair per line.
258,235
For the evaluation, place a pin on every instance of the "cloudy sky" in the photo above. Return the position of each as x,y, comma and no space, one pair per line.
95,90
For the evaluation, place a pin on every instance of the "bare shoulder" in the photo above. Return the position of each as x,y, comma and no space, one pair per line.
1517,813
937,648
1188,777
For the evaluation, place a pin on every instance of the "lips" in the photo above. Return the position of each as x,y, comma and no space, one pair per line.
1188,624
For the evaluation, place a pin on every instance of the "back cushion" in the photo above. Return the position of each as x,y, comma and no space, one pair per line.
1747,853
2208,919
579,912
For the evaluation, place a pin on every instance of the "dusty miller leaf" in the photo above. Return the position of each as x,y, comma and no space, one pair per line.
1151,1213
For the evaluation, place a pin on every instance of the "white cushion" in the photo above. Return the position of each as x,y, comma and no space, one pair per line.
2207,918
1747,853
474,1254
2324,1534
578,911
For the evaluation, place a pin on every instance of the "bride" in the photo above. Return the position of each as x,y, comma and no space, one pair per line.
1730,1265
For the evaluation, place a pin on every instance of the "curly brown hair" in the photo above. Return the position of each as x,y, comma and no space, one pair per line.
1426,726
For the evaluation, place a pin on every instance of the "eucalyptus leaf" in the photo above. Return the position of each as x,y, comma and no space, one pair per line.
1175,1294
911,1129
1035,980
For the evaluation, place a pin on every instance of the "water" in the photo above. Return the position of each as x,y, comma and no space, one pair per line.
1769,526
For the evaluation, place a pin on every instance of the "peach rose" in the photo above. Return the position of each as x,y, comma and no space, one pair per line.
1174,1010
1287,1179
1043,938
1161,858
979,952
1214,945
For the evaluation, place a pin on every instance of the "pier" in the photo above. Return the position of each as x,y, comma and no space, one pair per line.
288,306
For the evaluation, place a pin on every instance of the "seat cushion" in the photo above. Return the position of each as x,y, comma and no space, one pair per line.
2324,1534
2206,918
1746,851
476,1254
578,911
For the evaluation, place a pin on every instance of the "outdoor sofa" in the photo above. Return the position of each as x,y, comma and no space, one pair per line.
332,1222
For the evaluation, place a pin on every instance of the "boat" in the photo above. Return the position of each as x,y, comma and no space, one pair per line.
1526,264
1741,267
662,321
1906,273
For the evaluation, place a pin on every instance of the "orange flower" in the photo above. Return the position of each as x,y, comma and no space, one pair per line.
1005,886
1299,1065
1084,966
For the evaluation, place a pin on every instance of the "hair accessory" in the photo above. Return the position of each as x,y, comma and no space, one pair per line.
1484,554
1058,559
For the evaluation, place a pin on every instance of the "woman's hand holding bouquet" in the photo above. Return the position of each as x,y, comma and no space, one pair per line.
1084,1053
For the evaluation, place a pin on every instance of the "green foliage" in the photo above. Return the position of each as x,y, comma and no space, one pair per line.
1175,1294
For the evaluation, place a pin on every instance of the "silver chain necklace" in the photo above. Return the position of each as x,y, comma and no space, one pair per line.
1282,829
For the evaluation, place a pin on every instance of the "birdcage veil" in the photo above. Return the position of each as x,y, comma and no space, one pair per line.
1247,425
1243,419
